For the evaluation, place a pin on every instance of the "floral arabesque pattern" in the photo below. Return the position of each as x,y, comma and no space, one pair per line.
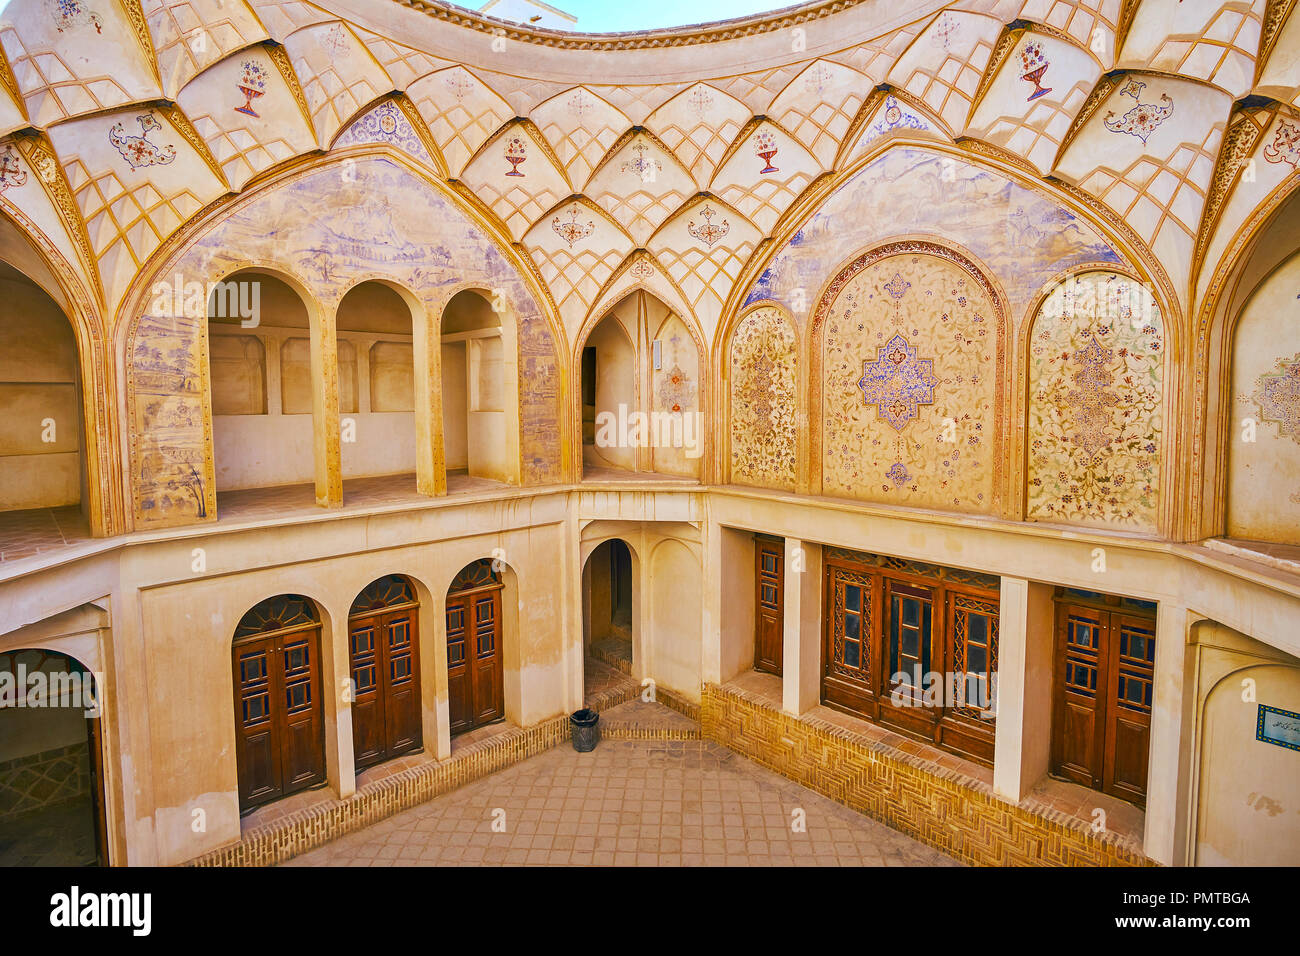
1095,423
932,444
763,400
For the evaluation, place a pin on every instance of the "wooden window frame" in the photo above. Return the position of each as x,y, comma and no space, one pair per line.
868,691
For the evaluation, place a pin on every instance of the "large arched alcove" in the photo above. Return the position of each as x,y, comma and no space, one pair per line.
641,402
1263,430
480,387
426,244
260,380
378,391
43,480
51,762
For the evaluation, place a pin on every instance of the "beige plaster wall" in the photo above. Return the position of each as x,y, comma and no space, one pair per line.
1247,806
1264,436
38,383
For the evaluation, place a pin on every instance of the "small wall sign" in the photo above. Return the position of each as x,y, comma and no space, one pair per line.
1278,726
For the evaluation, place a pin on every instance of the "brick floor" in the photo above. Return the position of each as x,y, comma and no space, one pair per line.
629,802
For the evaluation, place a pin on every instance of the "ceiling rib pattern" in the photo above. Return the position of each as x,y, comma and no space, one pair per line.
1179,118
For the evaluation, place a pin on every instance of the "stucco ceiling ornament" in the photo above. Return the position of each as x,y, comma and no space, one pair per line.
1035,64
11,172
252,83
1285,147
71,13
572,230
138,151
516,153
708,232
765,148
1145,118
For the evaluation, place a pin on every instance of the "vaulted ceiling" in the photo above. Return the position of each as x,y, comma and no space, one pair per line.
121,119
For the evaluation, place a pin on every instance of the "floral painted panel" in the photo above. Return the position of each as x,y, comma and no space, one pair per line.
1095,393
764,390
910,382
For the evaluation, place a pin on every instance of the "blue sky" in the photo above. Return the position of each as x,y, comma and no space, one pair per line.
599,16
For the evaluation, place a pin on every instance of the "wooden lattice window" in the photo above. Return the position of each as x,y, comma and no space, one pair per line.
477,574
392,590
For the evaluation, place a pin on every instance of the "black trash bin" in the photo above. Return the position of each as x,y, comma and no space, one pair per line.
585,725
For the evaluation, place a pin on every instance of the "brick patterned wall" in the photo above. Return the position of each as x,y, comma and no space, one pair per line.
38,780
315,826
944,809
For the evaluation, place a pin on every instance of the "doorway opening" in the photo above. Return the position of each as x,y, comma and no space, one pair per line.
279,727
475,669
383,643
1104,678
51,762
607,608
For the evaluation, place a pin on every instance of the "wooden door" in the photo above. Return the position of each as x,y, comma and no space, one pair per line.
769,605
1130,683
1101,716
1079,708
386,686
488,674
278,741
475,675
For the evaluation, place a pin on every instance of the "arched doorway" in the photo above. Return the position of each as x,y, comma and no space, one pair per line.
383,642
607,604
475,671
51,762
279,727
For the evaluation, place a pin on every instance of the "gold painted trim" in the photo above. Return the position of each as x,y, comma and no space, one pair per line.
280,57
639,40
40,156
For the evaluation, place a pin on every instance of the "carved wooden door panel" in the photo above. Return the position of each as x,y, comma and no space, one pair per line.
460,695
368,729
488,674
278,742
1079,706
769,605
1130,684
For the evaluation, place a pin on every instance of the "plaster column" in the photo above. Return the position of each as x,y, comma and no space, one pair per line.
274,387
1022,749
335,675
801,647
1168,763
325,407
711,623
426,344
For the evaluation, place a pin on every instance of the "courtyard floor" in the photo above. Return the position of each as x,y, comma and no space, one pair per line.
629,802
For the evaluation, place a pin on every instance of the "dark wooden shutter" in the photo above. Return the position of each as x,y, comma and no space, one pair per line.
769,605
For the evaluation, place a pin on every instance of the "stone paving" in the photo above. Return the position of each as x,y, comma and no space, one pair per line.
629,802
